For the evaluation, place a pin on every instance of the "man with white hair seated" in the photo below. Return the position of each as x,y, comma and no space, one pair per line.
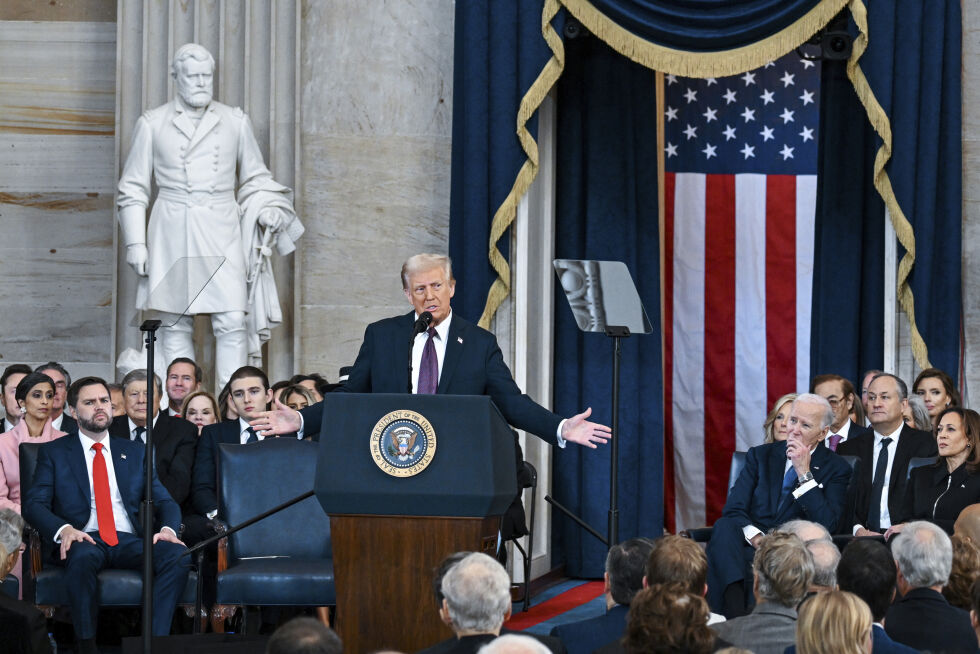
22,626
514,644
922,618
806,530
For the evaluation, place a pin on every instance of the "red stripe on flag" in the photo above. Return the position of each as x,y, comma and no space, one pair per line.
670,497
719,340
780,286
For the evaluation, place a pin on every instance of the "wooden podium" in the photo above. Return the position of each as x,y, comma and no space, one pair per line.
393,520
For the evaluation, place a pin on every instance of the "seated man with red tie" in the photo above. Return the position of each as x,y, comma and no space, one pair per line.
86,493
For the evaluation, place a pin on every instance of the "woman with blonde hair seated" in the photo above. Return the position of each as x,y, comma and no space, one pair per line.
834,622
200,408
776,426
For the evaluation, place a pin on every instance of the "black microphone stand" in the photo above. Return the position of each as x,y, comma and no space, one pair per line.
150,327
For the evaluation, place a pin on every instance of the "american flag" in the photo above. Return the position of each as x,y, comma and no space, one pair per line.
740,190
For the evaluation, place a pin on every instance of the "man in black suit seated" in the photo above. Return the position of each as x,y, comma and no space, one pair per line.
781,481
624,578
62,380
84,502
885,454
475,591
922,618
839,392
22,627
12,375
183,378
174,439
452,357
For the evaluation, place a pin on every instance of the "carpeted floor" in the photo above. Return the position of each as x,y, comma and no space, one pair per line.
568,601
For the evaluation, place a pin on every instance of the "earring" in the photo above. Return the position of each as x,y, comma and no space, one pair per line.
23,409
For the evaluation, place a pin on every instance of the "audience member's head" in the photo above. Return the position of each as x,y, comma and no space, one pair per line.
975,607
968,523
867,569
514,644
278,388
960,431
304,636
810,418
249,390
118,399
183,377
62,380
783,570
314,382
834,622
964,572
805,530
916,415
675,559
476,595
200,408
35,398
89,399
11,536
776,426
136,399
924,555
865,383
825,556
937,389
887,399
625,564
839,392
440,572
298,396
666,618
225,406
11,376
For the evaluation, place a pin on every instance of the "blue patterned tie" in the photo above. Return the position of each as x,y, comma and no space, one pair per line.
789,481
429,368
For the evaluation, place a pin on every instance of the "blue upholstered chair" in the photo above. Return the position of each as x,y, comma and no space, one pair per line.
44,583
285,559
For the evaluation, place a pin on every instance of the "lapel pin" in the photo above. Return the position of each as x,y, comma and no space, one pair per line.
122,456
459,339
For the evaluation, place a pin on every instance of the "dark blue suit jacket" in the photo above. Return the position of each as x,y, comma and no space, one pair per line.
60,492
473,366
880,644
755,497
586,636
204,495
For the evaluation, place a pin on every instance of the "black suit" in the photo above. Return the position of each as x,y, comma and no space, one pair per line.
911,443
24,628
473,365
586,636
924,620
936,495
68,424
174,442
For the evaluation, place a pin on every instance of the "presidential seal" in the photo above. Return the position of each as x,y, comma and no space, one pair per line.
403,443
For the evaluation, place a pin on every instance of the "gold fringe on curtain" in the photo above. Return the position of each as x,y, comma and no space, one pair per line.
882,125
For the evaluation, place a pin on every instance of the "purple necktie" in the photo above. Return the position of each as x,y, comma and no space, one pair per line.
834,442
429,368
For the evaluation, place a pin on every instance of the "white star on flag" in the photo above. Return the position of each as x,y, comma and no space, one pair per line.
729,96
787,152
748,151
766,134
787,79
748,78
807,63
691,95
729,132
711,80
769,64
748,114
671,150
787,115
691,132
807,97
709,151
671,113
671,79
767,97
710,114
807,134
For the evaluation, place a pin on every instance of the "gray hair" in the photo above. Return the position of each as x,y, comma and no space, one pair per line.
426,261
903,389
827,418
924,554
805,530
514,644
190,51
11,531
783,569
920,414
825,557
139,375
477,592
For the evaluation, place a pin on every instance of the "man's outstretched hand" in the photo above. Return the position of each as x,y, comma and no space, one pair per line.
281,420
579,430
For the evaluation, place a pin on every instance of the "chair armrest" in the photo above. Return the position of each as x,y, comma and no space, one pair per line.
220,527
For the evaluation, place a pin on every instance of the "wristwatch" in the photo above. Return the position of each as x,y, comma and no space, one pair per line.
807,476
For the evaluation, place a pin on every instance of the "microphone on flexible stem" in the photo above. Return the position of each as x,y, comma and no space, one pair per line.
422,324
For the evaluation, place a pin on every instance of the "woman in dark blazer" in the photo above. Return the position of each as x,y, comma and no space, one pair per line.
940,491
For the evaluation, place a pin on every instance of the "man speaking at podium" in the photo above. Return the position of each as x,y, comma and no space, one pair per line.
448,356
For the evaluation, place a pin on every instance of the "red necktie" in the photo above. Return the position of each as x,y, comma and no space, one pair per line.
103,501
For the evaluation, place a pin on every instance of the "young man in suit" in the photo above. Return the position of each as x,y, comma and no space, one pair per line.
781,481
452,357
885,454
174,439
85,499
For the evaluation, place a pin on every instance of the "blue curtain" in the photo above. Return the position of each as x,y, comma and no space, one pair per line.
607,209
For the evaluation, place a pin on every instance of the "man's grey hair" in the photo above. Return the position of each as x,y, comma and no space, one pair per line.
477,592
426,261
139,375
825,557
304,635
11,531
625,564
813,398
924,554
805,530
903,388
514,644
190,51
783,569
920,414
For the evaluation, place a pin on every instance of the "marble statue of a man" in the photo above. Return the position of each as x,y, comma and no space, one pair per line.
216,199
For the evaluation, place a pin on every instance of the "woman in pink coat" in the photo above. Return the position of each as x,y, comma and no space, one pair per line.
34,395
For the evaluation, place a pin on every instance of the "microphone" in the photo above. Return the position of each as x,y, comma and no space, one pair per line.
422,323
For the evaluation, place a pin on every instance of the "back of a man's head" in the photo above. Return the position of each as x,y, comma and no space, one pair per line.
968,523
924,555
514,644
477,594
675,559
304,636
783,570
867,569
805,530
825,557
11,536
625,564
439,573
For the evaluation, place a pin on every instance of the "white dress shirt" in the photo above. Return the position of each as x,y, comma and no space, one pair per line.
886,518
118,508
844,430
56,423
7,425
132,429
